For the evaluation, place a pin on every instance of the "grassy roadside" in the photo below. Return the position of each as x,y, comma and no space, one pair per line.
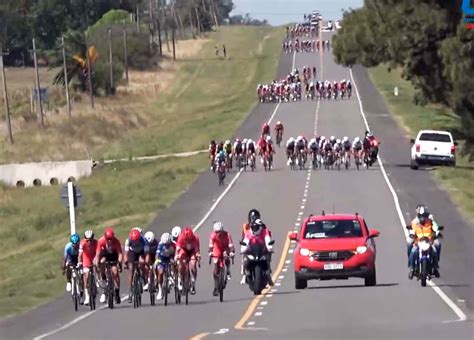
209,99
457,181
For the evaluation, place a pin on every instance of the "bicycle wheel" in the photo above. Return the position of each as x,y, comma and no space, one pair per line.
177,293
222,279
187,285
151,288
136,287
75,295
110,288
165,287
92,290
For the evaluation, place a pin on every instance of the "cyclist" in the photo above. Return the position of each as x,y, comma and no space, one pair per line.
165,254
109,250
265,129
71,258
251,149
187,253
269,149
346,147
238,149
212,151
220,245
87,252
135,250
290,149
279,130
357,148
152,246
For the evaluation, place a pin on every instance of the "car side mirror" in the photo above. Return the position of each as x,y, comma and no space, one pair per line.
271,243
412,141
374,233
293,236
242,243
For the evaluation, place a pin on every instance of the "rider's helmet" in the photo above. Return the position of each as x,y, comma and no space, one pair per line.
278,123
139,230
312,141
253,215
333,138
89,235
269,139
175,232
323,138
291,140
75,239
227,142
368,134
187,233
213,142
165,238
345,139
299,138
134,235
218,227
149,236
244,141
338,141
109,233
357,140
422,212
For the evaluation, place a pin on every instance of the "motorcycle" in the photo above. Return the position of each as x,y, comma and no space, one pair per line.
257,268
424,263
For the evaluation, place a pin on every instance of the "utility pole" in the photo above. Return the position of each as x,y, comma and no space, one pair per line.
151,24
38,88
125,52
173,37
138,20
159,35
111,63
89,78
5,94
66,80
199,27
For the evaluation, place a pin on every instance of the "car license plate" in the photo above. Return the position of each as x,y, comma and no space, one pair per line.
333,266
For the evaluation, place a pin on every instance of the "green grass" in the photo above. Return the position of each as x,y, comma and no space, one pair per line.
209,99
34,226
458,180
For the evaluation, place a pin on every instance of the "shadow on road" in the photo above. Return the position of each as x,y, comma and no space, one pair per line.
355,286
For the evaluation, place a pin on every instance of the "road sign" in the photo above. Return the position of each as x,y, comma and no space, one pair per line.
44,94
77,195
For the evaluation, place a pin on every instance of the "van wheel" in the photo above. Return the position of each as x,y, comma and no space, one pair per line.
414,165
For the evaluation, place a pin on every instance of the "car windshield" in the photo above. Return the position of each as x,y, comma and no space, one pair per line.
332,229
435,137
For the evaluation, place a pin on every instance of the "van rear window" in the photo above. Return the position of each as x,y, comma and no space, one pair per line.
435,137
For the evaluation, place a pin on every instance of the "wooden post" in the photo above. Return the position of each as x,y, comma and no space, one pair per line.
66,80
111,63
89,78
5,94
125,52
40,101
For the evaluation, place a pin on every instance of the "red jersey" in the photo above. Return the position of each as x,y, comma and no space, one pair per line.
261,143
87,252
220,242
114,247
279,127
269,148
266,129
192,244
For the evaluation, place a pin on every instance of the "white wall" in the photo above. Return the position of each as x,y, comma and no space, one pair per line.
12,174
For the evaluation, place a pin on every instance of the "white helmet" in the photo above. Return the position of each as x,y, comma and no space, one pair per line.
227,141
323,138
176,231
299,137
244,141
269,139
338,141
313,140
278,123
345,139
149,236
291,139
218,226
357,139
332,138
165,238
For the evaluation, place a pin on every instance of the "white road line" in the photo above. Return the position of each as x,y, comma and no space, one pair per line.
303,200
259,307
284,270
268,295
277,284
439,291
288,261
302,207
258,314
281,277
290,251
274,290
251,323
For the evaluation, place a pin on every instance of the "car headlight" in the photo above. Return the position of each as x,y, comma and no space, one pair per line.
361,249
424,245
250,256
304,252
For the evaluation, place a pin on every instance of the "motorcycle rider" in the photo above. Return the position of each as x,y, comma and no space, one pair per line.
258,233
370,143
422,221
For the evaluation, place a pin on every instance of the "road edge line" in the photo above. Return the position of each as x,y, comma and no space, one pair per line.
438,290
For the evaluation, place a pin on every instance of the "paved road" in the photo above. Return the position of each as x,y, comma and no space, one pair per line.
396,308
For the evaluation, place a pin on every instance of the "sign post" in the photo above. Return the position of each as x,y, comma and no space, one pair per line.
71,197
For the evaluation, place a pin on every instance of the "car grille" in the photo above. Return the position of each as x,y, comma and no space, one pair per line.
332,255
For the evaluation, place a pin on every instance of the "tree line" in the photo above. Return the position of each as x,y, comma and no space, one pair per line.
427,39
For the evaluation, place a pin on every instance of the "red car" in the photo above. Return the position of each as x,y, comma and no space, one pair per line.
334,247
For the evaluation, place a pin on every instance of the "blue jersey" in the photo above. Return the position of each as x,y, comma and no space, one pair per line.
71,254
137,246
165,252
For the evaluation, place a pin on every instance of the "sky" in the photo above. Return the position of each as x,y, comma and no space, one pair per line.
279,12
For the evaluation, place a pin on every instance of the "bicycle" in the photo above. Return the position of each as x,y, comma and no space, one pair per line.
109,290
168,283
92,286
221,273
152,287
137,285
221,173
76,278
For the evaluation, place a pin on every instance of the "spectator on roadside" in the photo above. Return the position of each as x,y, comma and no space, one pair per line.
224,51
217,51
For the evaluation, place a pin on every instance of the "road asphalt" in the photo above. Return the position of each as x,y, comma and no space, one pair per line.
396,308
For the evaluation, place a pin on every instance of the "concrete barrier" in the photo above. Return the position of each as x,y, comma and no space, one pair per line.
44,173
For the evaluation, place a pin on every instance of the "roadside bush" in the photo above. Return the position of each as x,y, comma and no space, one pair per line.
102,77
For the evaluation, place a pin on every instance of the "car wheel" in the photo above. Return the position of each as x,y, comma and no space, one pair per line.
371,280
300,283
413,165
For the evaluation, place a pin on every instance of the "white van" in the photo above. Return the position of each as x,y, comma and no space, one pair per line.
433,147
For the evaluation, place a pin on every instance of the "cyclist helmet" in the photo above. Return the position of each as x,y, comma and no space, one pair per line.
278,123
368,134
323,138
134,235
109,233
140,230
175,232
218,227
338,141
291,140
312,141
213,142
227,142
89,234
357,139
253,215
333,138
269,139
75,239
237,140
188,233
165,238
149,236
345,139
